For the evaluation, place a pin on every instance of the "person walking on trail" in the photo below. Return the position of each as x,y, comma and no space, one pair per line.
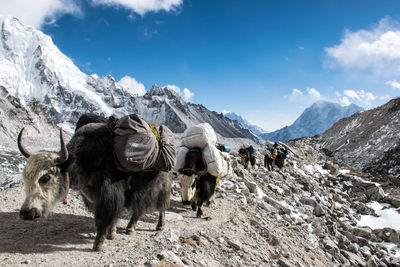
268,161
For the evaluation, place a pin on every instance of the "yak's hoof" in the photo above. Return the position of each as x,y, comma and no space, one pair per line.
110,236
199,213
99,245
129,230
194,206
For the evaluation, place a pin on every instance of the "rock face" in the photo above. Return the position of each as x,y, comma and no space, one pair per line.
319,117
33,68
368,140
40,133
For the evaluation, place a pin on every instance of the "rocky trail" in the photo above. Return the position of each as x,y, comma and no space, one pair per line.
305,214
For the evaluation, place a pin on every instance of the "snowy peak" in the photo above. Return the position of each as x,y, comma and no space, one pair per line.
255,129
315,119
33,69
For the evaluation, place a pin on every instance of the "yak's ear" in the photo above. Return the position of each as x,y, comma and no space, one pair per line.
64,167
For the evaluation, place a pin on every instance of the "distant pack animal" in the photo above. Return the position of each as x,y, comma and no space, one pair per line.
197,186
247,156
268,161
280,158
87,165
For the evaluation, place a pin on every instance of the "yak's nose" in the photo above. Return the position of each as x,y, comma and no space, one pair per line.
186,202
30,214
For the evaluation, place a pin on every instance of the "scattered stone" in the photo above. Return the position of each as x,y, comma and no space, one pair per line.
194,240
364,232
168,257
235,243
284,263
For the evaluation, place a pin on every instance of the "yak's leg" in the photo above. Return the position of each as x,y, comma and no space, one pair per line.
99,241
111,232
199,211
130,228
161,220
108,206
194,206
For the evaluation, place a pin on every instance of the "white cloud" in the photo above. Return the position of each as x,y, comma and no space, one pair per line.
187,95
314,93
141,7
296,91
376,49
361,95
345,101
175,88
134,87
301,47
394,84
297,95
39,12
351,94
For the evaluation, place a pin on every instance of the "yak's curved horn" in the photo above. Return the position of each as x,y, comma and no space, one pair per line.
21,147
64,152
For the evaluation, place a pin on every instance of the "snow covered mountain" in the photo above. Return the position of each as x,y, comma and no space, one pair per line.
368,140
316,119
254,128
32,68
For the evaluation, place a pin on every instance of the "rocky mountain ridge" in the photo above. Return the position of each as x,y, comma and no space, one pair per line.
254,128
317,118
368,140
34,69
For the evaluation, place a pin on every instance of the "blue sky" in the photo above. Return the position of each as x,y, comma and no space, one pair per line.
264,60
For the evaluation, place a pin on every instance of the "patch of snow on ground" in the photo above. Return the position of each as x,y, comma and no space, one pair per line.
388,217
298,169
392,247
259,193
343,171
366,182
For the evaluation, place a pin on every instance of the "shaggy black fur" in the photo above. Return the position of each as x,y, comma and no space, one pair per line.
194,162
205,184
106,190
205,189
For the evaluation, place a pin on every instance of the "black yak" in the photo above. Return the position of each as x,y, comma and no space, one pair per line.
247,156
88,160
198,186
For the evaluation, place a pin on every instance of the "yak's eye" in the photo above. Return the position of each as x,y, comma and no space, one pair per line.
44,179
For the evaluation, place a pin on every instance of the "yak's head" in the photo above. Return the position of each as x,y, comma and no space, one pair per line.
194,167
188,187
45,184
